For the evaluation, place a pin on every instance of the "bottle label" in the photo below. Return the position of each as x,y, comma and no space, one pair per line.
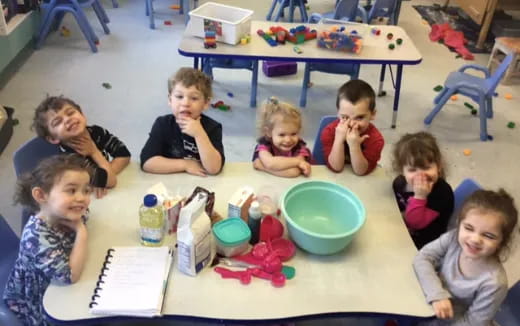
151,235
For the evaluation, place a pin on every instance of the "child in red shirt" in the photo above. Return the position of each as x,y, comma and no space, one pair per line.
352,138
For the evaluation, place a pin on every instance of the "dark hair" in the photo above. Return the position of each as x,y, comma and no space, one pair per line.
191,77
356,90
45,175
418,150
498,202
54,103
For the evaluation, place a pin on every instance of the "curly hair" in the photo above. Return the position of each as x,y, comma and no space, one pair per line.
191,77
273,111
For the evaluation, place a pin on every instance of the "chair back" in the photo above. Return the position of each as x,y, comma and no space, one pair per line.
27,157
494,79
9,244
346,10
383,8
508,314
317,150
463,191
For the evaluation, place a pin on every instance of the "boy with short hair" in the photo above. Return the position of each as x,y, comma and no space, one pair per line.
186,140
60,121
352,138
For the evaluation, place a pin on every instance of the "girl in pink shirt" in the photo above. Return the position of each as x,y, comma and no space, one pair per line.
280,150
424,197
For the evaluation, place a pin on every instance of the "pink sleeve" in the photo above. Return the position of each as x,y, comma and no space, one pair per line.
417,216
262,147
305,152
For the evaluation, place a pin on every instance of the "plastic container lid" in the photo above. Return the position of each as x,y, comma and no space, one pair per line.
150,200
231,231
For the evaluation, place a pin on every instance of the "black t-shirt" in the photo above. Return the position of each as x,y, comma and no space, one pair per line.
440,199
166,139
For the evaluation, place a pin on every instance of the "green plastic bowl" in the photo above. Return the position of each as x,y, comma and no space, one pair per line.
322,217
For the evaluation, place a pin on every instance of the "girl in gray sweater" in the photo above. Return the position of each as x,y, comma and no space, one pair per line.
461,273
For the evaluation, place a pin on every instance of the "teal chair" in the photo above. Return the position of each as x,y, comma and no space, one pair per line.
480,90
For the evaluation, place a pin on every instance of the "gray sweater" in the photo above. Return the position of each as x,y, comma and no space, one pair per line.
475,300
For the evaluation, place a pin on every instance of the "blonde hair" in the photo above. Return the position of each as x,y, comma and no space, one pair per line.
191,77
273,111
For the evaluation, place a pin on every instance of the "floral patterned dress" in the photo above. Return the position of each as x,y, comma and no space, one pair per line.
43,257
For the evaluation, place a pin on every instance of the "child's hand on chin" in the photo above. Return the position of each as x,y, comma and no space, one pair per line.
422,186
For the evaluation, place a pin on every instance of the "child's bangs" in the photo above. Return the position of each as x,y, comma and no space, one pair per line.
421,158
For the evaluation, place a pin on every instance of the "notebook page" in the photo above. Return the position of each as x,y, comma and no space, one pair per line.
133,282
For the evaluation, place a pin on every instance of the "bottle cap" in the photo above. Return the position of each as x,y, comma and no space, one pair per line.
150,200
254,210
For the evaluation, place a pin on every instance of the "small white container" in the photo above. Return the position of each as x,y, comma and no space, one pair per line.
235,22
232,236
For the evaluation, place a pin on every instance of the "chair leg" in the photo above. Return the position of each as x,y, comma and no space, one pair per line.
207,68
440,103
146,9
305,85
97,6
279,13
58,20
46,26
303,12
150,11
483,120
440,95
254,84
489,107
115,4
101,15
85,27
271,10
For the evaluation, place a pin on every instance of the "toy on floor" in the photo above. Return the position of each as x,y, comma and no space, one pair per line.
221,106
168,22
64,31
467,152
438,88
175,7
454,97
339,39
106,85
508,96
511,125
210,39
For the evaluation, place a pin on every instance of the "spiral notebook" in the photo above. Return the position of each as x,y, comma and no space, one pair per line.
132,282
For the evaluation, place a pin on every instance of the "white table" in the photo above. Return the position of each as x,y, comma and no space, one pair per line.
373,275
375,51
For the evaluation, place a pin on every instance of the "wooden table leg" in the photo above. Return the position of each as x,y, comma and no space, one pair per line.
490,12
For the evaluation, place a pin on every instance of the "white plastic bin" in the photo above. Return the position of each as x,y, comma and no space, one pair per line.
235,22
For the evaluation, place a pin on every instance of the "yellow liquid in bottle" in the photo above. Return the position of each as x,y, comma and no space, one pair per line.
151,220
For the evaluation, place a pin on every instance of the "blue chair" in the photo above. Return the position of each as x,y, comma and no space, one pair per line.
54,11
150,12
27,157
479,89
9,244
285,3
384,8
347,10
508,313
463,191
317,150
209,63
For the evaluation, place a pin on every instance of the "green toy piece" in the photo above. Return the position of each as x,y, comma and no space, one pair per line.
15,122
511,125
224,107
473,112
399,41
438,88
107,85
391,46
469,106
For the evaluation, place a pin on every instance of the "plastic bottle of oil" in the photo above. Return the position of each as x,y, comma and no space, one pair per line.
151,220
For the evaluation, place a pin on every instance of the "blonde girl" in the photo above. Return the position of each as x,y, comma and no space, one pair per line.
461,273
280,150
53,245
424,197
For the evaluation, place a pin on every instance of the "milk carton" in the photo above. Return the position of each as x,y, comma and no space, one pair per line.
239,203
194,242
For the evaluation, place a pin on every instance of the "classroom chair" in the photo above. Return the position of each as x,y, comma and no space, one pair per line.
480,90
27,157
463,191
508,314
8,252
151,14
504,46
386,9
317,150
55,10
285,3
225,63
347,10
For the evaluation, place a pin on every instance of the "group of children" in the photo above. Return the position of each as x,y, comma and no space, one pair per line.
460,271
